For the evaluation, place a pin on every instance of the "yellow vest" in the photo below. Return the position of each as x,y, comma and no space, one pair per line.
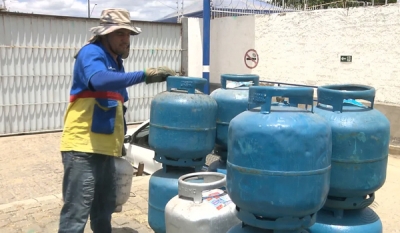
94,123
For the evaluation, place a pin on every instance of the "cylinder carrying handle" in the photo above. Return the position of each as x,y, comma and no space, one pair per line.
239,78
262,95
334,95
189,84
212,180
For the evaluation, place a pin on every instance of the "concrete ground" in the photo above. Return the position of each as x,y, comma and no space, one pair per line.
30,184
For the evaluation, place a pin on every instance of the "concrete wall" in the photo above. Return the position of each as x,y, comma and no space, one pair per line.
392,112
192,47
230,39
305,48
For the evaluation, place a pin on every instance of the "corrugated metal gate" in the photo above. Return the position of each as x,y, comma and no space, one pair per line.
36,61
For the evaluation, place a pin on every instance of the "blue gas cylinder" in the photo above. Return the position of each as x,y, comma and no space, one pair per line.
231,102
243,228
347,221
278,159
182,123
360,144
163,186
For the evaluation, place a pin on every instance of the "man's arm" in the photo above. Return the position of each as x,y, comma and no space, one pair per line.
96,75
104,80
108,80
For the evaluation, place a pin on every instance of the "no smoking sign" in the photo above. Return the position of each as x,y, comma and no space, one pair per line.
251,59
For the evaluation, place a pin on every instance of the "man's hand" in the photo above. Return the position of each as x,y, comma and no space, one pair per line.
160,74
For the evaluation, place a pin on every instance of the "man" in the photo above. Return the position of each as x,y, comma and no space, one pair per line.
94,124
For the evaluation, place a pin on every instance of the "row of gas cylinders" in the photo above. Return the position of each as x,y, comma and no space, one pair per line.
285,166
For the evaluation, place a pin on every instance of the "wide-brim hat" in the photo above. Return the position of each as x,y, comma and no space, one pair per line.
112,19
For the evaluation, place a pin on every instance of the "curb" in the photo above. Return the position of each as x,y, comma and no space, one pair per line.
394,150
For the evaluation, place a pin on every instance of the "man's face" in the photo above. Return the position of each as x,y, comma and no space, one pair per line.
119,41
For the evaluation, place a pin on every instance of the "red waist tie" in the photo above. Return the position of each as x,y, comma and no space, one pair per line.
97,94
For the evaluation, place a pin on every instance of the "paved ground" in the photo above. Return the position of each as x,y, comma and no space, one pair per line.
30,184
40,214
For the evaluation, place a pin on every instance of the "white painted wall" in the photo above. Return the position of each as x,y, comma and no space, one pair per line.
305,47
195,43
230,38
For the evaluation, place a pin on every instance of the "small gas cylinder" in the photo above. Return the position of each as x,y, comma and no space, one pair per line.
347,221
244,228
360,144
200,206
231,102
163,186
182,123
279,157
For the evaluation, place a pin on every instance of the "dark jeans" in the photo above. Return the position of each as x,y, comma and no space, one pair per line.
88,189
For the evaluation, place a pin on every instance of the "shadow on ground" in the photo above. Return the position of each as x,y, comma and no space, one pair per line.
124,230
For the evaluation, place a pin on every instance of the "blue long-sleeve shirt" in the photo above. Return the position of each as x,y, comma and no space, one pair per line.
96,70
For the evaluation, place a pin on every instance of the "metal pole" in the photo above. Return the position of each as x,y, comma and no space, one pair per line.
88,8
91,12
206,44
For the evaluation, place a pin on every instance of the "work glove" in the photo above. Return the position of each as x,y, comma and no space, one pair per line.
160,74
